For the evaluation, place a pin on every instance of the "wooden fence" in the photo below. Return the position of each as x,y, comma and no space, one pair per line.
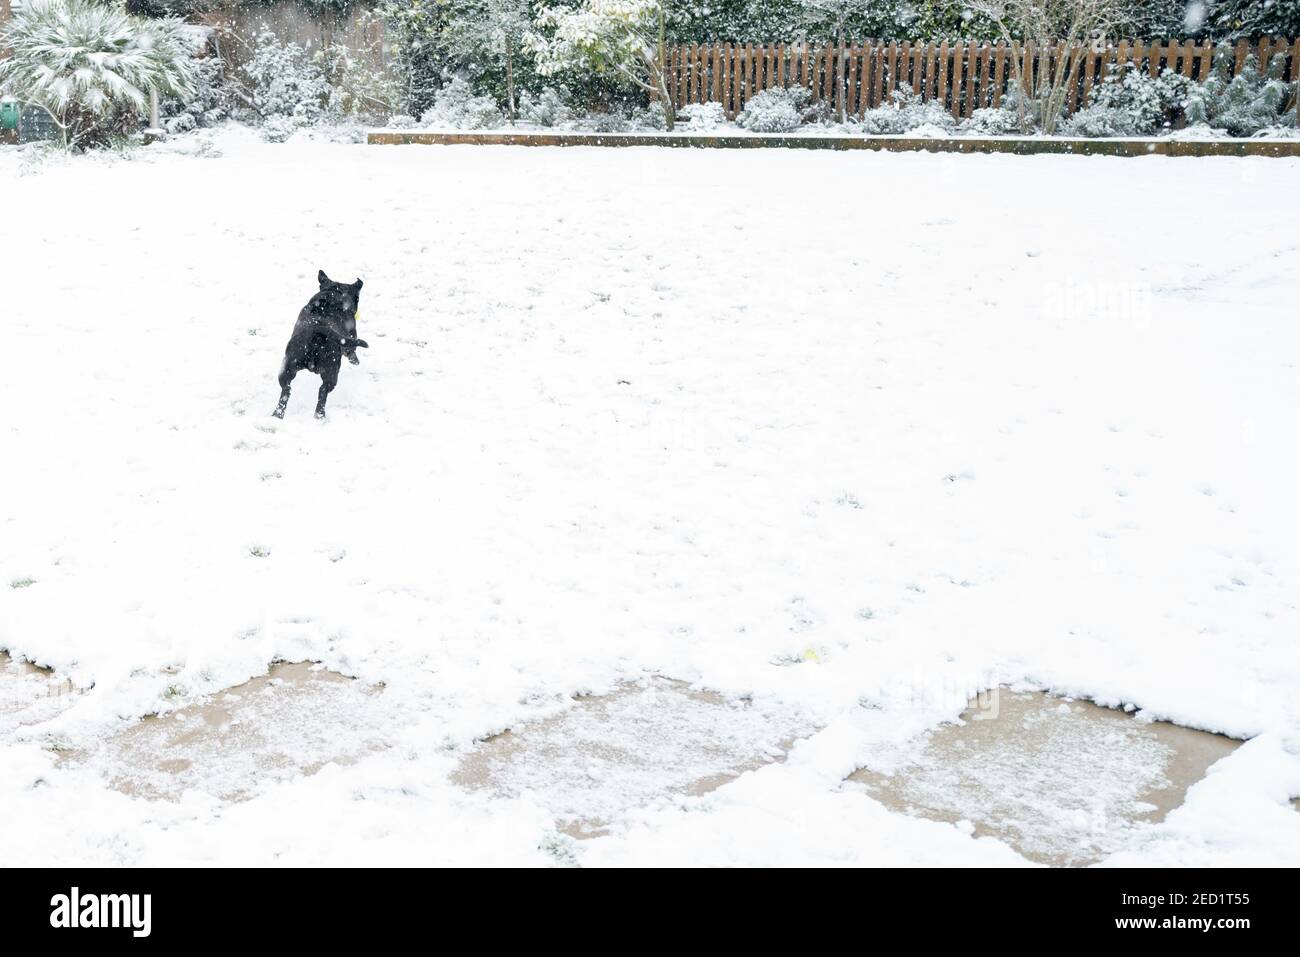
963,75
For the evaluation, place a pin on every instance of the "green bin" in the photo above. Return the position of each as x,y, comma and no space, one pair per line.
9,112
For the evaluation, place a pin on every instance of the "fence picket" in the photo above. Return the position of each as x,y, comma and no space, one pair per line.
999,73
982,84
972,61
828,75
941,87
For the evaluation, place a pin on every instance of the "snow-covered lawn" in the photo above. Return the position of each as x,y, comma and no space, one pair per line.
846,436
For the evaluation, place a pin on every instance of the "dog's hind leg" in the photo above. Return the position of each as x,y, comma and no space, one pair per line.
287,372
329,377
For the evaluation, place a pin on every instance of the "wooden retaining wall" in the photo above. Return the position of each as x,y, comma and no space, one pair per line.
1022,145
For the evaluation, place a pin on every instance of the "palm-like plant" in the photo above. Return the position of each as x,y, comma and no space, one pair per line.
92,67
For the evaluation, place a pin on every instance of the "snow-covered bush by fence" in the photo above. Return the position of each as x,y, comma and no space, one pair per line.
1247,104
907,113
779,110
703,117
455,106
992,121
93,67
1132,103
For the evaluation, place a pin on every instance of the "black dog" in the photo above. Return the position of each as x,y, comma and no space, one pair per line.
326,331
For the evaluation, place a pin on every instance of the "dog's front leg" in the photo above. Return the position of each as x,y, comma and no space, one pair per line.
350,344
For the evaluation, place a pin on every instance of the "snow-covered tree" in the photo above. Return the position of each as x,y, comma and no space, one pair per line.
621,36
833,18
494,26
1164,19
92,67
1043,22
415,31
283,85
1236,19
952,20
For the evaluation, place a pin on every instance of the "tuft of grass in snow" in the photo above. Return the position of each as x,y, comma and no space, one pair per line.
561,848
25,582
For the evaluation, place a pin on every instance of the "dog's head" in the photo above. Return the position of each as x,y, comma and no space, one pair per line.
346,297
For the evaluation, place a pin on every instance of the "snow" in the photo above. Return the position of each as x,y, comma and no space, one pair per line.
844,435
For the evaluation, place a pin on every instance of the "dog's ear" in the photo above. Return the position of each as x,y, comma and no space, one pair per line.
357,285
323,279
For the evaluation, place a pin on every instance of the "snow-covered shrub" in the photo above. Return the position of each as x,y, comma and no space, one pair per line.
992,121
92,67
277,128
605,123
908,113
456,107
702,117
356,90
1101,121
649,116
286,89
1250,103
778,110
209,105
547,108
328,133
1132,103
